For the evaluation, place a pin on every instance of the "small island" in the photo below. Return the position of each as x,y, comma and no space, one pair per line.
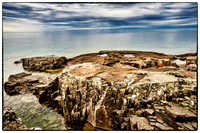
114,90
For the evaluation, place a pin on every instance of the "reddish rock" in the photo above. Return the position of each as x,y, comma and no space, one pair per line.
180,114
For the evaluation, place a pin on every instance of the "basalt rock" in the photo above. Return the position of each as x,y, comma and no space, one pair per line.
113,98
180,114
43,63
23,83
106,105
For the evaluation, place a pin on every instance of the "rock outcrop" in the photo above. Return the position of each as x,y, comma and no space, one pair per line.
43,63
22,83
135,59
115,92
112,105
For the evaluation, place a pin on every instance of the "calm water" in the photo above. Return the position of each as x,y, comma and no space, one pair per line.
73,43
33,114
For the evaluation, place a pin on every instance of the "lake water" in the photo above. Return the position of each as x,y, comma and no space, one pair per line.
73,43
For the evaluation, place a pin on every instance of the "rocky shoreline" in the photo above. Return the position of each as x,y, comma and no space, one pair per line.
115,90
11,122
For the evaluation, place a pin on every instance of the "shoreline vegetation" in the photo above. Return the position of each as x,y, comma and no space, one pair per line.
114,90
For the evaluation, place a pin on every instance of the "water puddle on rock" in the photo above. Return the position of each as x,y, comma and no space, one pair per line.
179,62
33,114
103,55
129,56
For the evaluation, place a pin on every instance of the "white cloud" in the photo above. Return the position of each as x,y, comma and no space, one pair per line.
51,12
179,5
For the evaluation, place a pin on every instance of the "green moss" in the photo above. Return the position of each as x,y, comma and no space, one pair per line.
46,71
54,70
185,107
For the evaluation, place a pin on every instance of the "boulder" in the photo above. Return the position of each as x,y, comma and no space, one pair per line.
43,63
9,115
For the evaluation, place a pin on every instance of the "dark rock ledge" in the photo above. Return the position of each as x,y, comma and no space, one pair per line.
43,63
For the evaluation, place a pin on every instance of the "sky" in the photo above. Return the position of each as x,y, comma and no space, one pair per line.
30,17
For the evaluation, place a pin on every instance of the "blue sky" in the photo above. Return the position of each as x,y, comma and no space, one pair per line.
28,17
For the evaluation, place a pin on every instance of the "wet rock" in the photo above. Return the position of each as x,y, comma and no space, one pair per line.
17,62
9,115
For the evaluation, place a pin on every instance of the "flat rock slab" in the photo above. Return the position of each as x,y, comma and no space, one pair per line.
180,114
118,74
22,83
